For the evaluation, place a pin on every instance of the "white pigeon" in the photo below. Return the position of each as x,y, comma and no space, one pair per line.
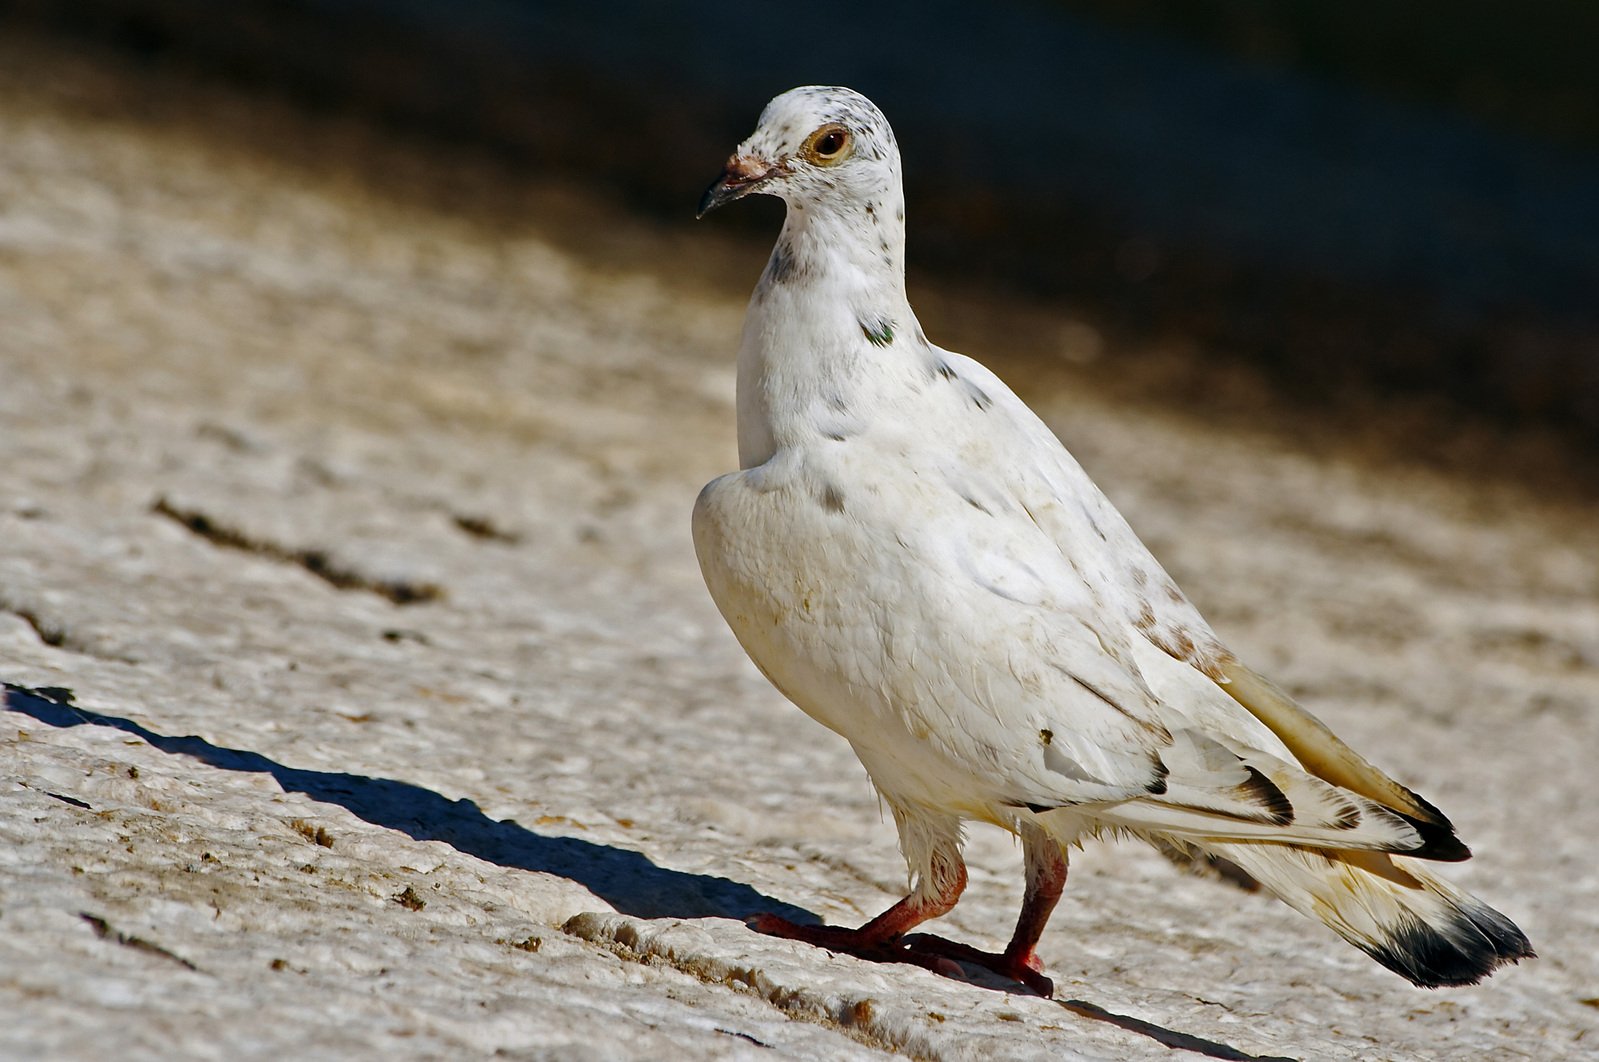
913,559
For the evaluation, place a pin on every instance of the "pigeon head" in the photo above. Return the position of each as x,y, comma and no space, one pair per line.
812,144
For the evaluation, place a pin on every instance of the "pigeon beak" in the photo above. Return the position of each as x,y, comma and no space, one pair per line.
743,174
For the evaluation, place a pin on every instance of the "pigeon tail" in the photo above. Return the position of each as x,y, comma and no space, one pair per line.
1408,919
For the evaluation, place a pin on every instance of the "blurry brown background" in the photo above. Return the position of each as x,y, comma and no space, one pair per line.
1348,201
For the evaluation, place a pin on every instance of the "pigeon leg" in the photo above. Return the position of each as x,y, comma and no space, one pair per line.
1046,880
882,939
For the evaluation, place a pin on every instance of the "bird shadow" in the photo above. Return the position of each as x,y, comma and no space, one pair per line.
625,879
1170,1038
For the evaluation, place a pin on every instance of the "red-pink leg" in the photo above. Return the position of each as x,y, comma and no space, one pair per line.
880,940
1046,879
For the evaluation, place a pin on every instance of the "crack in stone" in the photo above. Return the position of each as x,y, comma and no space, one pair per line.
50,634
632,942
621,937
484,528
104,931
315,561
57,635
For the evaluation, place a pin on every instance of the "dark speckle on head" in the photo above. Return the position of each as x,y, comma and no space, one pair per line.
944,369
810,138
879,331
832,499
978,396
975,504
837,402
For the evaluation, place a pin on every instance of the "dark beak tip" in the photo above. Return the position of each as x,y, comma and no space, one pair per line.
708,203
729,186
718,193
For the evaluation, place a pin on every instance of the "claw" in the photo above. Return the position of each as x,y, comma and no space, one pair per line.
1023,969
930,952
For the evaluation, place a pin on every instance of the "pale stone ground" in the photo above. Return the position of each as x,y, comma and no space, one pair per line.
282,818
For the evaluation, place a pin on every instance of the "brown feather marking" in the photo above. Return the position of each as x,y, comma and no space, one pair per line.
1318,749
1262,791
1349,816
1154,728
1157,785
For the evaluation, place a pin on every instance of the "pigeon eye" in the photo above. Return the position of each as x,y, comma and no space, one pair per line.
828,145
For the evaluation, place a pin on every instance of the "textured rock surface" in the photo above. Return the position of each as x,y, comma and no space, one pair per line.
400,723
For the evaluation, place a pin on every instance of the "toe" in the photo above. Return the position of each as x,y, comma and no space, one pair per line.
773,926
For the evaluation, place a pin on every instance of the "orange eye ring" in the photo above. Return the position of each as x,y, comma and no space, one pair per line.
829,145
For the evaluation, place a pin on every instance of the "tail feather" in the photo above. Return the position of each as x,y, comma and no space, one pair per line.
1188,824
1318,749
1392,908
1216,790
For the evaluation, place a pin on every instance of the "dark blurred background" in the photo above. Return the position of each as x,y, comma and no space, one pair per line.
1349,197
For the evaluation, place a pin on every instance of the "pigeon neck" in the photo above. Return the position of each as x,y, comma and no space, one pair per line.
830,333
858,243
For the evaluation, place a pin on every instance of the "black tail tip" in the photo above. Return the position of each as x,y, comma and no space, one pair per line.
1437,842
1475,943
